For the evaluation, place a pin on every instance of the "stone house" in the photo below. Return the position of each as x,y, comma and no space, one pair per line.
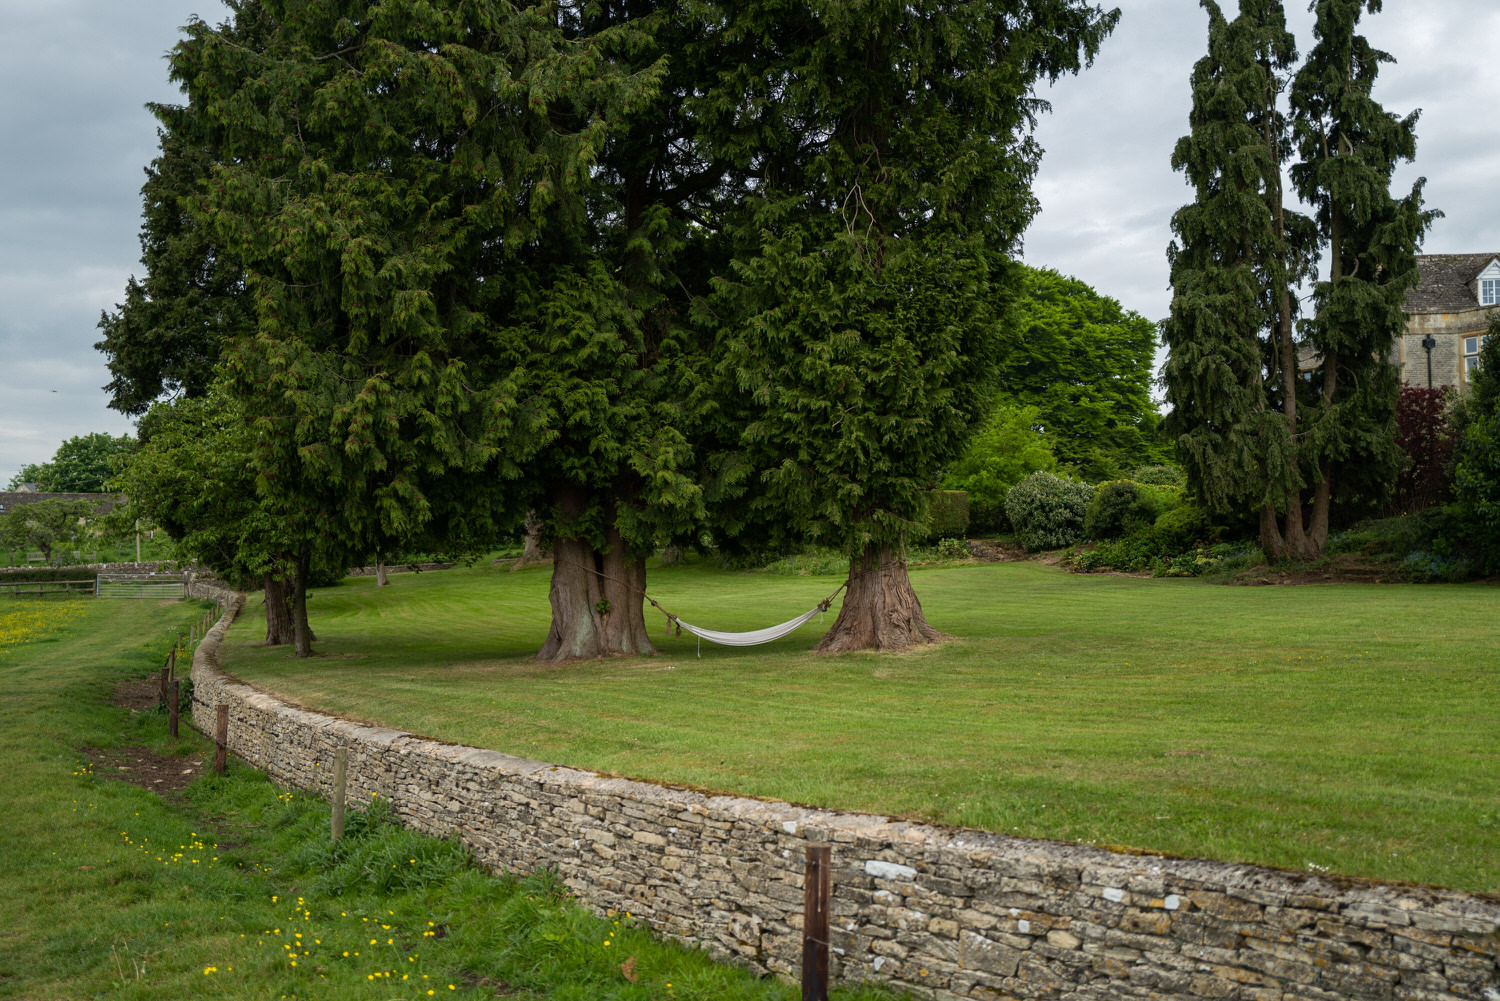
1448,313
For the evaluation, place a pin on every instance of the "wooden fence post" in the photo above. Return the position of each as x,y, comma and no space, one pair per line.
817,893
172,707
221,739
340,773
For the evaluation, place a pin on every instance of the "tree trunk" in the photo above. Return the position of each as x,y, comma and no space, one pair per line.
278,611
1271,541
381,578
531,548
598,598
302,636
880,610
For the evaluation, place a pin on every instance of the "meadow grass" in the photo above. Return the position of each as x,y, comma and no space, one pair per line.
1345,728
234,889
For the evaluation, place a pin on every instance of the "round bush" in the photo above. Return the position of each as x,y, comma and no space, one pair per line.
1047,511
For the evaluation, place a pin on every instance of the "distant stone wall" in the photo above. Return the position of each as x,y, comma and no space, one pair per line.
947,913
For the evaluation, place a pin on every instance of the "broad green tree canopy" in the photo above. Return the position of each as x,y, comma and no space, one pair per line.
1086,364
82,464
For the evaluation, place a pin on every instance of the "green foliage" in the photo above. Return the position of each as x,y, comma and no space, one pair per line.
167,335
1422,567
1048,511
1235,250
859,325
46,525
1086,365
81,465
1253,433
194,478
948,515
1476,477
22,575
1160,475
1182,527
1120,507
1004,450
1160,555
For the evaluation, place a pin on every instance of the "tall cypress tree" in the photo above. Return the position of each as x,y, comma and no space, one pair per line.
596,329
1254,434
1350,147
1236,254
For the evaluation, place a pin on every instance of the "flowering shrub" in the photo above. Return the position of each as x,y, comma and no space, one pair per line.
1047,511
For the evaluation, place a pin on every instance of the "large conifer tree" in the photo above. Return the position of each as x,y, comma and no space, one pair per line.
859,320
372,158
1254,434
1350,147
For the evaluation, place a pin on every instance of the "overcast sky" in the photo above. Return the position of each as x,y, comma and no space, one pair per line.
75,76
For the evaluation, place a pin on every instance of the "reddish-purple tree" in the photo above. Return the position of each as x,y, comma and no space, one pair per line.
1425,437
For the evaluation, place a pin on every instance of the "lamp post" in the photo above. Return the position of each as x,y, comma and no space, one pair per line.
1428,343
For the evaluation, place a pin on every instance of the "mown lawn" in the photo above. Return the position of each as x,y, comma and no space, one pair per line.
232,888
1346,728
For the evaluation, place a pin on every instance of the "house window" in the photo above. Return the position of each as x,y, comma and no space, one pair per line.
1489,291
1472,346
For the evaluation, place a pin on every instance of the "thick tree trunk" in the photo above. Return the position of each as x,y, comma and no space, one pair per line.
880,609
1293,537
598,598
382,579
279,630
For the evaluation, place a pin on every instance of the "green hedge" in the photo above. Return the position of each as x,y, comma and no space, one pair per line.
33,575
949,515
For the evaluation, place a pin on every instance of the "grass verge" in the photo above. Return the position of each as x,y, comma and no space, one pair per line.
232,889
1344,728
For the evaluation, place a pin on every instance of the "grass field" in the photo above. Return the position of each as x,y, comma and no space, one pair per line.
231,889
1344,728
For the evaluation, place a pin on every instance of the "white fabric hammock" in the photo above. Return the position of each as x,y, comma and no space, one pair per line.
755,637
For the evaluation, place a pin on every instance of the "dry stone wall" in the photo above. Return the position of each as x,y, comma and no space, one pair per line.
945,913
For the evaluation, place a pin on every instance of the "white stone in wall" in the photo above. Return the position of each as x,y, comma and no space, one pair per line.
889,870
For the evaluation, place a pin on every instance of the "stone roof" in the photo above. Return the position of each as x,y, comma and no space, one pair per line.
1446,282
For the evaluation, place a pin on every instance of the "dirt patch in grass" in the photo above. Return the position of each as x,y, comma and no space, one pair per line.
140,766
1340,568
139,696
